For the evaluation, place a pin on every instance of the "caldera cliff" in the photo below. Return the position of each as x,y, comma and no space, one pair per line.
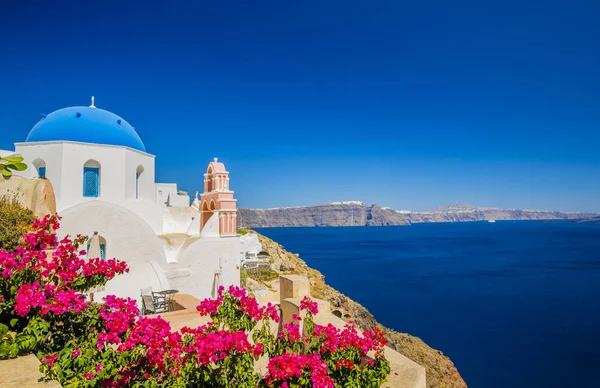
355,213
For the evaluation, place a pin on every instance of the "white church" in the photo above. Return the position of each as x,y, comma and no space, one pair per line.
104,184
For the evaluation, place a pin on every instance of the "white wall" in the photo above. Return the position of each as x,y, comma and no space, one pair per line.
64,167
163,190
179,200
118,166
211,228
149,211
180,219
133,159
166,194
52,154
172,243
112,173
128,237
194,228
197,261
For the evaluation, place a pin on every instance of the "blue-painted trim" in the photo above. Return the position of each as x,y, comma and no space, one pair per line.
91,182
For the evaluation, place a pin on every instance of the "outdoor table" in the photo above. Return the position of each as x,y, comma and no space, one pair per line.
168,295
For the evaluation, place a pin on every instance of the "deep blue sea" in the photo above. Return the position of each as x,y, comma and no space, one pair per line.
513,304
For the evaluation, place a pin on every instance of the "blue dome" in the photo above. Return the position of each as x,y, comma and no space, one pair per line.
88,125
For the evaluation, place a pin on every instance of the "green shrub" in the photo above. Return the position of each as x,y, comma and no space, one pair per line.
243,278
15,220
263,275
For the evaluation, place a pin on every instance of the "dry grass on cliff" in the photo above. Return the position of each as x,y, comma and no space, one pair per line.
15,220
441,372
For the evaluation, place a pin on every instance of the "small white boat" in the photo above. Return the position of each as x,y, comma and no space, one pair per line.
491,220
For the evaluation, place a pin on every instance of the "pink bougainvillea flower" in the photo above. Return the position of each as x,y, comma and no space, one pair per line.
345,364
309,305
49,360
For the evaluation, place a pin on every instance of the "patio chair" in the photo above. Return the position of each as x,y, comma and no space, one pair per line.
152,304
158,298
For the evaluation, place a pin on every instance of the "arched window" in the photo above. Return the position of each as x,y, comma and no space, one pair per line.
40,167
138,174
210,182
207,212
96,247
91,179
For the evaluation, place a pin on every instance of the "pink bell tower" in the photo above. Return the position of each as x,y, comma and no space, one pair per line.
217,198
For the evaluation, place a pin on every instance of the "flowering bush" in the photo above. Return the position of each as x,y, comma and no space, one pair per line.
42,298
85,344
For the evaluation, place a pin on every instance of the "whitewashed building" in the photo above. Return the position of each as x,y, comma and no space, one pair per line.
104,183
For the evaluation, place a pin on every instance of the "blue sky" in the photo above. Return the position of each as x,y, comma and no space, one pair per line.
405,104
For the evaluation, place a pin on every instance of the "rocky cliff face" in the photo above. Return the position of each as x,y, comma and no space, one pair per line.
358,214
353,214
441,372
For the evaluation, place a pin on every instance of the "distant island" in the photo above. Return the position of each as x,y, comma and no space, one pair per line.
355,213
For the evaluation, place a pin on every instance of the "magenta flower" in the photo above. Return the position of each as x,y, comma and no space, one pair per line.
49,360
307,304
296,317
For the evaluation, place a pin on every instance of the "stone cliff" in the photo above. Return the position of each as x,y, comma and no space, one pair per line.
441,372
358,214
350,214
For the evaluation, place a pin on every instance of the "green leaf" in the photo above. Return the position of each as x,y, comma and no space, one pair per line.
13,351
3,330
4,348
18,166
13,322
13,159
5,172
